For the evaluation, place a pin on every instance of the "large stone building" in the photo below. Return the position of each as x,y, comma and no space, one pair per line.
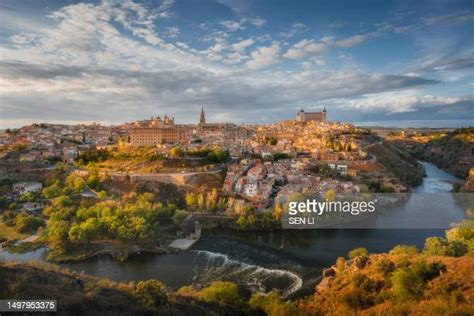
157,131
304,117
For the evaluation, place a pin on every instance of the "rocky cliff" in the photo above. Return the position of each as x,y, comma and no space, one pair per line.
453,152
468,186
397,161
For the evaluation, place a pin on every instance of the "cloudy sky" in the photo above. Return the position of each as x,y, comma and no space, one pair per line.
242,60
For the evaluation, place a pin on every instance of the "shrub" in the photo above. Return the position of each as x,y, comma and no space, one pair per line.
385,266
188,291
151,293
428,271
179,216
340,264
366,284
460,234
357,299
404,250
437,246
358,252
27,224
407,284
272,304
220,291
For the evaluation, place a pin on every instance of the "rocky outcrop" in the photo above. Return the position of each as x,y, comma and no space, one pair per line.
398,162
468,186
453,152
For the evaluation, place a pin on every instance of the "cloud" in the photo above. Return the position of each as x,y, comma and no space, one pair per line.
398,102
242,45
117,57
459,17
258,22
463,62
307,47
23,38
173,32
351,41
295,28
242,23
264,56
233,25
238,6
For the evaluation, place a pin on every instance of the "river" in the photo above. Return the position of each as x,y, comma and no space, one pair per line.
289,261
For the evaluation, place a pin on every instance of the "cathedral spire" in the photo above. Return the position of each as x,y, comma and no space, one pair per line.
202,120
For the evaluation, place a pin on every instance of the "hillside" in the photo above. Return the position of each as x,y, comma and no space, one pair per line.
396,284
81,294
396,161
468,186
452,151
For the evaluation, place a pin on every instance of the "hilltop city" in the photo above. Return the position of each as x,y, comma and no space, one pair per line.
267,163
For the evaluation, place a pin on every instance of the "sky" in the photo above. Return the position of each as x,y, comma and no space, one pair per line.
244,61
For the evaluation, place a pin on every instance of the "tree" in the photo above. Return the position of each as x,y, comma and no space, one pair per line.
52,191
78,235
330,195
218,155
75,183
179,216
175,151
27,224
436,246
211,200
191,201
57,233
151,293
277,212
200,202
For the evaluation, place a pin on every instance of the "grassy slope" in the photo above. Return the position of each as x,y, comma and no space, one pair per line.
451,293
9,232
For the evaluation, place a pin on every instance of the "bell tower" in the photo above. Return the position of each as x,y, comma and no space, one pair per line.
202,119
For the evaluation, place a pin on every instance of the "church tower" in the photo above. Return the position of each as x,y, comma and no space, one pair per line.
202,120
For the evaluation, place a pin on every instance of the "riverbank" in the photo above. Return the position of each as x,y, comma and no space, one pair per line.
451,151
117,251
274,255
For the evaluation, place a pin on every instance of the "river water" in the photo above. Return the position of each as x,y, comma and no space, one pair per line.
289,261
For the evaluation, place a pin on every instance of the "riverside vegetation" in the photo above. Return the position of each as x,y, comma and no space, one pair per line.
436,281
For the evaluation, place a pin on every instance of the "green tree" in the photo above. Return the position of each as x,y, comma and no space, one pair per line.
27,224
175,152
78,235
57,234
191,201
52,191
223,292
151,293
75,182
179,216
